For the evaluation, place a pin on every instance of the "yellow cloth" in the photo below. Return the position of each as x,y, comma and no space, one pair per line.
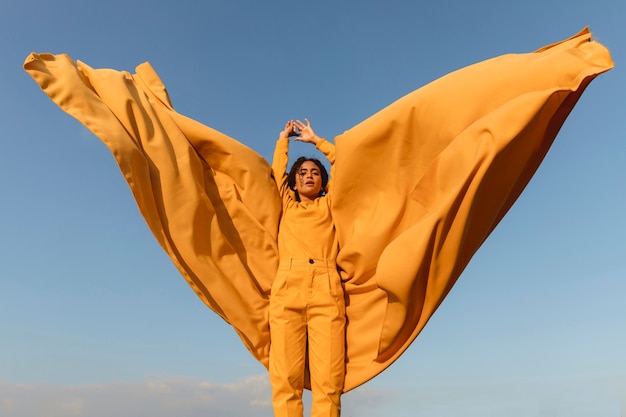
408,227
210,201
446,163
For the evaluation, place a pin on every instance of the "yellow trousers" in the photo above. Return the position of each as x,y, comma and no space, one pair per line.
307,321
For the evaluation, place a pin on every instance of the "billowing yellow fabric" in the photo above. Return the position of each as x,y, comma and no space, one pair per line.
448,161
210,201
408,228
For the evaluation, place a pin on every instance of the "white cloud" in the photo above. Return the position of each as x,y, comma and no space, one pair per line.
179,397
186,397
165,397
511,397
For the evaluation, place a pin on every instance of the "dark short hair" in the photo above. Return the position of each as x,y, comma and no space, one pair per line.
291,177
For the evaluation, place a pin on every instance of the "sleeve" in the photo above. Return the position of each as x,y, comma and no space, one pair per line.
279,168
328,149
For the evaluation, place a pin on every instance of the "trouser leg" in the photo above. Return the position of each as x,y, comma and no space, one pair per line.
287,350
326,338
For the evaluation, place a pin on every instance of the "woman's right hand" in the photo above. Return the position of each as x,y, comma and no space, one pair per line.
288,130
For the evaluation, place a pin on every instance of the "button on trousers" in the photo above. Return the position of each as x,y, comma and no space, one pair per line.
307,318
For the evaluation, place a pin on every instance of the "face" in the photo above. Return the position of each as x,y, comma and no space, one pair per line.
309,180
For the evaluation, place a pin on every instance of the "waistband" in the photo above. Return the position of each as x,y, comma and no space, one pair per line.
301,262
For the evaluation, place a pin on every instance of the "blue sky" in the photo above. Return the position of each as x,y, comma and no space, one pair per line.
94,319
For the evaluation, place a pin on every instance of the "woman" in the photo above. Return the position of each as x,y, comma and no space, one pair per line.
307,311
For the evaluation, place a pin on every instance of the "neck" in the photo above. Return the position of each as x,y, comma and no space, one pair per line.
305,199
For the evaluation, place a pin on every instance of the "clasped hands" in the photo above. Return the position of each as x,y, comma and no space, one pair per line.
300,131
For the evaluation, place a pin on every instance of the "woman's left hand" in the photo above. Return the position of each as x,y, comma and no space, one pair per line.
306,132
